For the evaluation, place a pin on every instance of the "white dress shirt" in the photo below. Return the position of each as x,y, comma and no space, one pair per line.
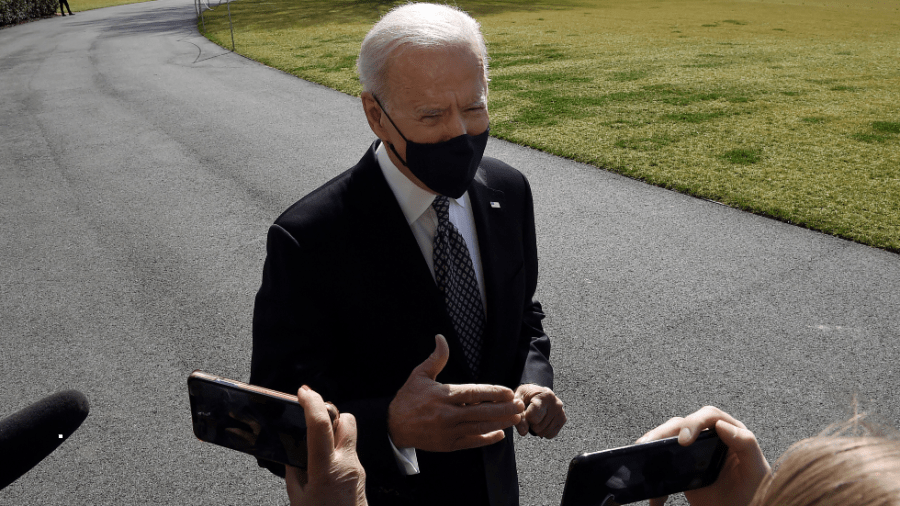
422,218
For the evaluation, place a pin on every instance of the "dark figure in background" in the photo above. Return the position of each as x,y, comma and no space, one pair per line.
64,3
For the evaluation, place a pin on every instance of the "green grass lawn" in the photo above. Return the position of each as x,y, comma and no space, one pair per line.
86,5
789,109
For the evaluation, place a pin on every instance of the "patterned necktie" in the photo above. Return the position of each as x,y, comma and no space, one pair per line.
455,277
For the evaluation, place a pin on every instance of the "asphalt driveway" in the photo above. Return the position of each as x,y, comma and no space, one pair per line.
140,166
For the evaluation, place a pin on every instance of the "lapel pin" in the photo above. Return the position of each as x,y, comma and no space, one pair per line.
495,205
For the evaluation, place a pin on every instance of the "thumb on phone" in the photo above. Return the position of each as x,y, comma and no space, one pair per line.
319,429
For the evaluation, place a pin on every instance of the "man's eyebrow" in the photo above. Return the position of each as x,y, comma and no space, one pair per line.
427,109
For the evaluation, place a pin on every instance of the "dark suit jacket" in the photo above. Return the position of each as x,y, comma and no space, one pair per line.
349,307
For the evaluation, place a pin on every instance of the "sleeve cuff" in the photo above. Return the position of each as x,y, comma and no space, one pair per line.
406,459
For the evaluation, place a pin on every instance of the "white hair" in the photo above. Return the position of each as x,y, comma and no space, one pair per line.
414,25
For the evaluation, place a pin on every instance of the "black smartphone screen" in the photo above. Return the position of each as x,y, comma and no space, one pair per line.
640,472
265,426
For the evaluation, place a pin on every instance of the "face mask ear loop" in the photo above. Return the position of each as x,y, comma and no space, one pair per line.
390,144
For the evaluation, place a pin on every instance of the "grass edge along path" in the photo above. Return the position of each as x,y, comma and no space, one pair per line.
787,111
87,5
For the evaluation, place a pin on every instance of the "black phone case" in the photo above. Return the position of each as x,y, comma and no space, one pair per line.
640,472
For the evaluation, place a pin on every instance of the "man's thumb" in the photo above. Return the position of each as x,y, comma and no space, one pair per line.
434,364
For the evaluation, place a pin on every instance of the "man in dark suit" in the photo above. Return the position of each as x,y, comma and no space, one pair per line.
421,239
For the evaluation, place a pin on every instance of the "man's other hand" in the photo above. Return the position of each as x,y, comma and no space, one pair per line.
431,416
334,476
544,413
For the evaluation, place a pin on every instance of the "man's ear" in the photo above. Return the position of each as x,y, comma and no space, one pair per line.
374,115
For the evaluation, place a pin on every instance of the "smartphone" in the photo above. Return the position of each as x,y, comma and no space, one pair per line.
643,471
261,422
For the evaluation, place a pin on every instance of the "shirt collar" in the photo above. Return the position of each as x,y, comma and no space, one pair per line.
413,200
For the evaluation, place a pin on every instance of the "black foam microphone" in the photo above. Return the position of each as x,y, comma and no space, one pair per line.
29,435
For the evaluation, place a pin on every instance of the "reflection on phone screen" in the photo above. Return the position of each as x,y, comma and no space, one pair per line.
639,472
249,422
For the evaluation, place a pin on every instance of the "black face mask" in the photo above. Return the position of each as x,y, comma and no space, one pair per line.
447,167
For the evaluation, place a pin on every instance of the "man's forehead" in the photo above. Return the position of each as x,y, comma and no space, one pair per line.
405,59
426,72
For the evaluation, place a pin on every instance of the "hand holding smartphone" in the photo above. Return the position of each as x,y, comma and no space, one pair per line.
261,422
643,471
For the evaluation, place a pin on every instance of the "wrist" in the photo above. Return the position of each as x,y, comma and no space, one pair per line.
394,429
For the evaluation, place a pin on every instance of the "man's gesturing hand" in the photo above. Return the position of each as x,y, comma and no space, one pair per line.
435,417
544,413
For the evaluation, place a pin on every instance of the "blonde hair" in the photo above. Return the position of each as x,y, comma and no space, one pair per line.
856,463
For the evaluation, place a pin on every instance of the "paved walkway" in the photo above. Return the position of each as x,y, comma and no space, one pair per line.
140,166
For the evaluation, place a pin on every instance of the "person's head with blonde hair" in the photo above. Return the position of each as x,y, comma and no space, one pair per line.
854,463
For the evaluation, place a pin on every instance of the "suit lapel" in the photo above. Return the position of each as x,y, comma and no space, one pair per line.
382,227
489,211
396,268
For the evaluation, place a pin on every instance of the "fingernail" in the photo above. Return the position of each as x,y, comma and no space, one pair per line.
304,387
731,430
